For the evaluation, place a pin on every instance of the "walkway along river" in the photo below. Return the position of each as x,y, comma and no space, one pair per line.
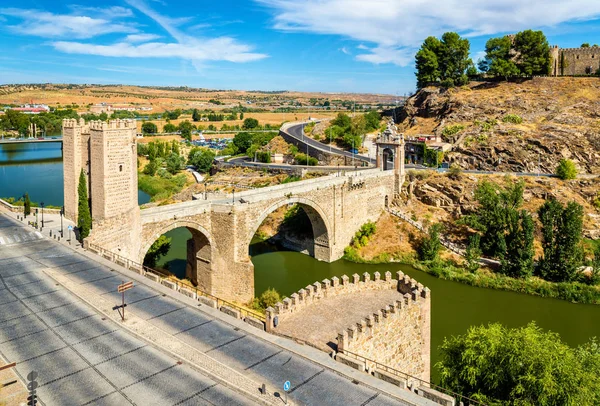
455,306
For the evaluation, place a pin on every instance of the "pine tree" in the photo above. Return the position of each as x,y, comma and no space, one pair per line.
27,205
84,218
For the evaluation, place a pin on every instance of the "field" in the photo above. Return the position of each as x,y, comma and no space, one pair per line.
161,99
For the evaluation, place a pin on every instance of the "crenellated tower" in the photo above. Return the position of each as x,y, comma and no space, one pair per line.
76,156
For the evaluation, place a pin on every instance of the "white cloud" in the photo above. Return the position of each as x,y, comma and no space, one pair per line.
48,25
217,49
344,50
105,12
141,37
394,25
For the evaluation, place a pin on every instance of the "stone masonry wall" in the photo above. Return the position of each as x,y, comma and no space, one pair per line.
578,61
398,336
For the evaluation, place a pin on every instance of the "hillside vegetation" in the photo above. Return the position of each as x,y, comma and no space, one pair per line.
516,127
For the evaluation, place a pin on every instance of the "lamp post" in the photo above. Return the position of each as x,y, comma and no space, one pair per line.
42,206
62,213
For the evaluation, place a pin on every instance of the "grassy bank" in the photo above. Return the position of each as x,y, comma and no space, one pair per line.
161,188
576,292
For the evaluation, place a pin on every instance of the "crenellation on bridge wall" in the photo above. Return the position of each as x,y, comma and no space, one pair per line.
398,335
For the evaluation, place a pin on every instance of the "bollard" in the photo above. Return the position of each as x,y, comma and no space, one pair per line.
50,233
59,238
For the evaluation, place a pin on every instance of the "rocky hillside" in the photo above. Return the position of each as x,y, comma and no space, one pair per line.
513,126
434,197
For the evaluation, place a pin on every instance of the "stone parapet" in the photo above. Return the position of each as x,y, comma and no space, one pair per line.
344,286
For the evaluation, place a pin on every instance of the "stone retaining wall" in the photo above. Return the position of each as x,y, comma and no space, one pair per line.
19,209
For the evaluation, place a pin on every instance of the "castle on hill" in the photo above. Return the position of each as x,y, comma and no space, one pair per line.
574,61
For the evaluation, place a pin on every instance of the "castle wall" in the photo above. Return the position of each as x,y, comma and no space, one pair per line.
578,61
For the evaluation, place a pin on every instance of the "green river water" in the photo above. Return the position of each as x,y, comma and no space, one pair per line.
37,168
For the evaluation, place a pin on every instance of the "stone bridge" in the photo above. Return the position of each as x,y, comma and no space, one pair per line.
222,230
217,254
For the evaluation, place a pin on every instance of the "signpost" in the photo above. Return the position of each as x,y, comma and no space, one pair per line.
32,386
121,289
286,388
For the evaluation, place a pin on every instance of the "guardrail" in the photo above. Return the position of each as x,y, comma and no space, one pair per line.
178,285
408,378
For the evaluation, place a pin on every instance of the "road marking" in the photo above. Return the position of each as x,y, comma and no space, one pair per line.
1,241
39,234
16,238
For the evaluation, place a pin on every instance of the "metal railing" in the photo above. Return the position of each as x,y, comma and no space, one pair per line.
129,264
408,378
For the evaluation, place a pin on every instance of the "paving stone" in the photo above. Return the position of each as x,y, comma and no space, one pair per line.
180,320
134,366
154,307
54,365
65,314
12,310
77,389
104,347
84,329
244,353
210,335
31,346
20,327
50,300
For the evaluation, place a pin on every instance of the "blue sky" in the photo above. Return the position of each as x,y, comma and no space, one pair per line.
306,45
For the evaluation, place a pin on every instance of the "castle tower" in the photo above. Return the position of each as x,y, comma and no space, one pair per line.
76,137
113,168
390,145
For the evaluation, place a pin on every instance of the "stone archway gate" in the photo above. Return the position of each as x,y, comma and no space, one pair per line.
337,206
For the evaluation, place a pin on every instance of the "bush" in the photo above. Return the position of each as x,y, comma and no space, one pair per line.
512,118
566,169
149,128
268,298
455,172
452,130
303,159
430,245
250,123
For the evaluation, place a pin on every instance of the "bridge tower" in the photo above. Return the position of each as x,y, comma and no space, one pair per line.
76,156
107,153
390,145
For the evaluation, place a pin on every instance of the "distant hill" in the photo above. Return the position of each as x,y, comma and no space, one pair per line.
513,126
170,98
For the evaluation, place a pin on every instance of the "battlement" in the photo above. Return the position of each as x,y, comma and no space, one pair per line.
413,292
346,285
581,51
112,124
73,123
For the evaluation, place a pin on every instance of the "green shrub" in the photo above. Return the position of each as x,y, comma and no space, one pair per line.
303,159
566,169
452,130
512,118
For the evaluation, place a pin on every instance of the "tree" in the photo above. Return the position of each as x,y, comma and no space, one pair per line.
562,233
151,168
585,45
242,141
524,366
169,128
201,158
175,163
242,115
372,119
517,262
496,206
426,62
196,115
533,53
250,123
84,217
159,248
473,253
444,61
149,128
430,245
27,205
566,169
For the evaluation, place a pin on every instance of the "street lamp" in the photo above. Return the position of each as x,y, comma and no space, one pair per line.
62,213
42,205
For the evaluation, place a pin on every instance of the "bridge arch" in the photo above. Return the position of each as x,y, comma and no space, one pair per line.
322,230
200,250
388,159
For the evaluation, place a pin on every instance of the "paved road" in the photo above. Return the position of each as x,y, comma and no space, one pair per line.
81,358
44,325
296,132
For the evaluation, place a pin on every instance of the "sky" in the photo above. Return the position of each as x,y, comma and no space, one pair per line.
305,45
